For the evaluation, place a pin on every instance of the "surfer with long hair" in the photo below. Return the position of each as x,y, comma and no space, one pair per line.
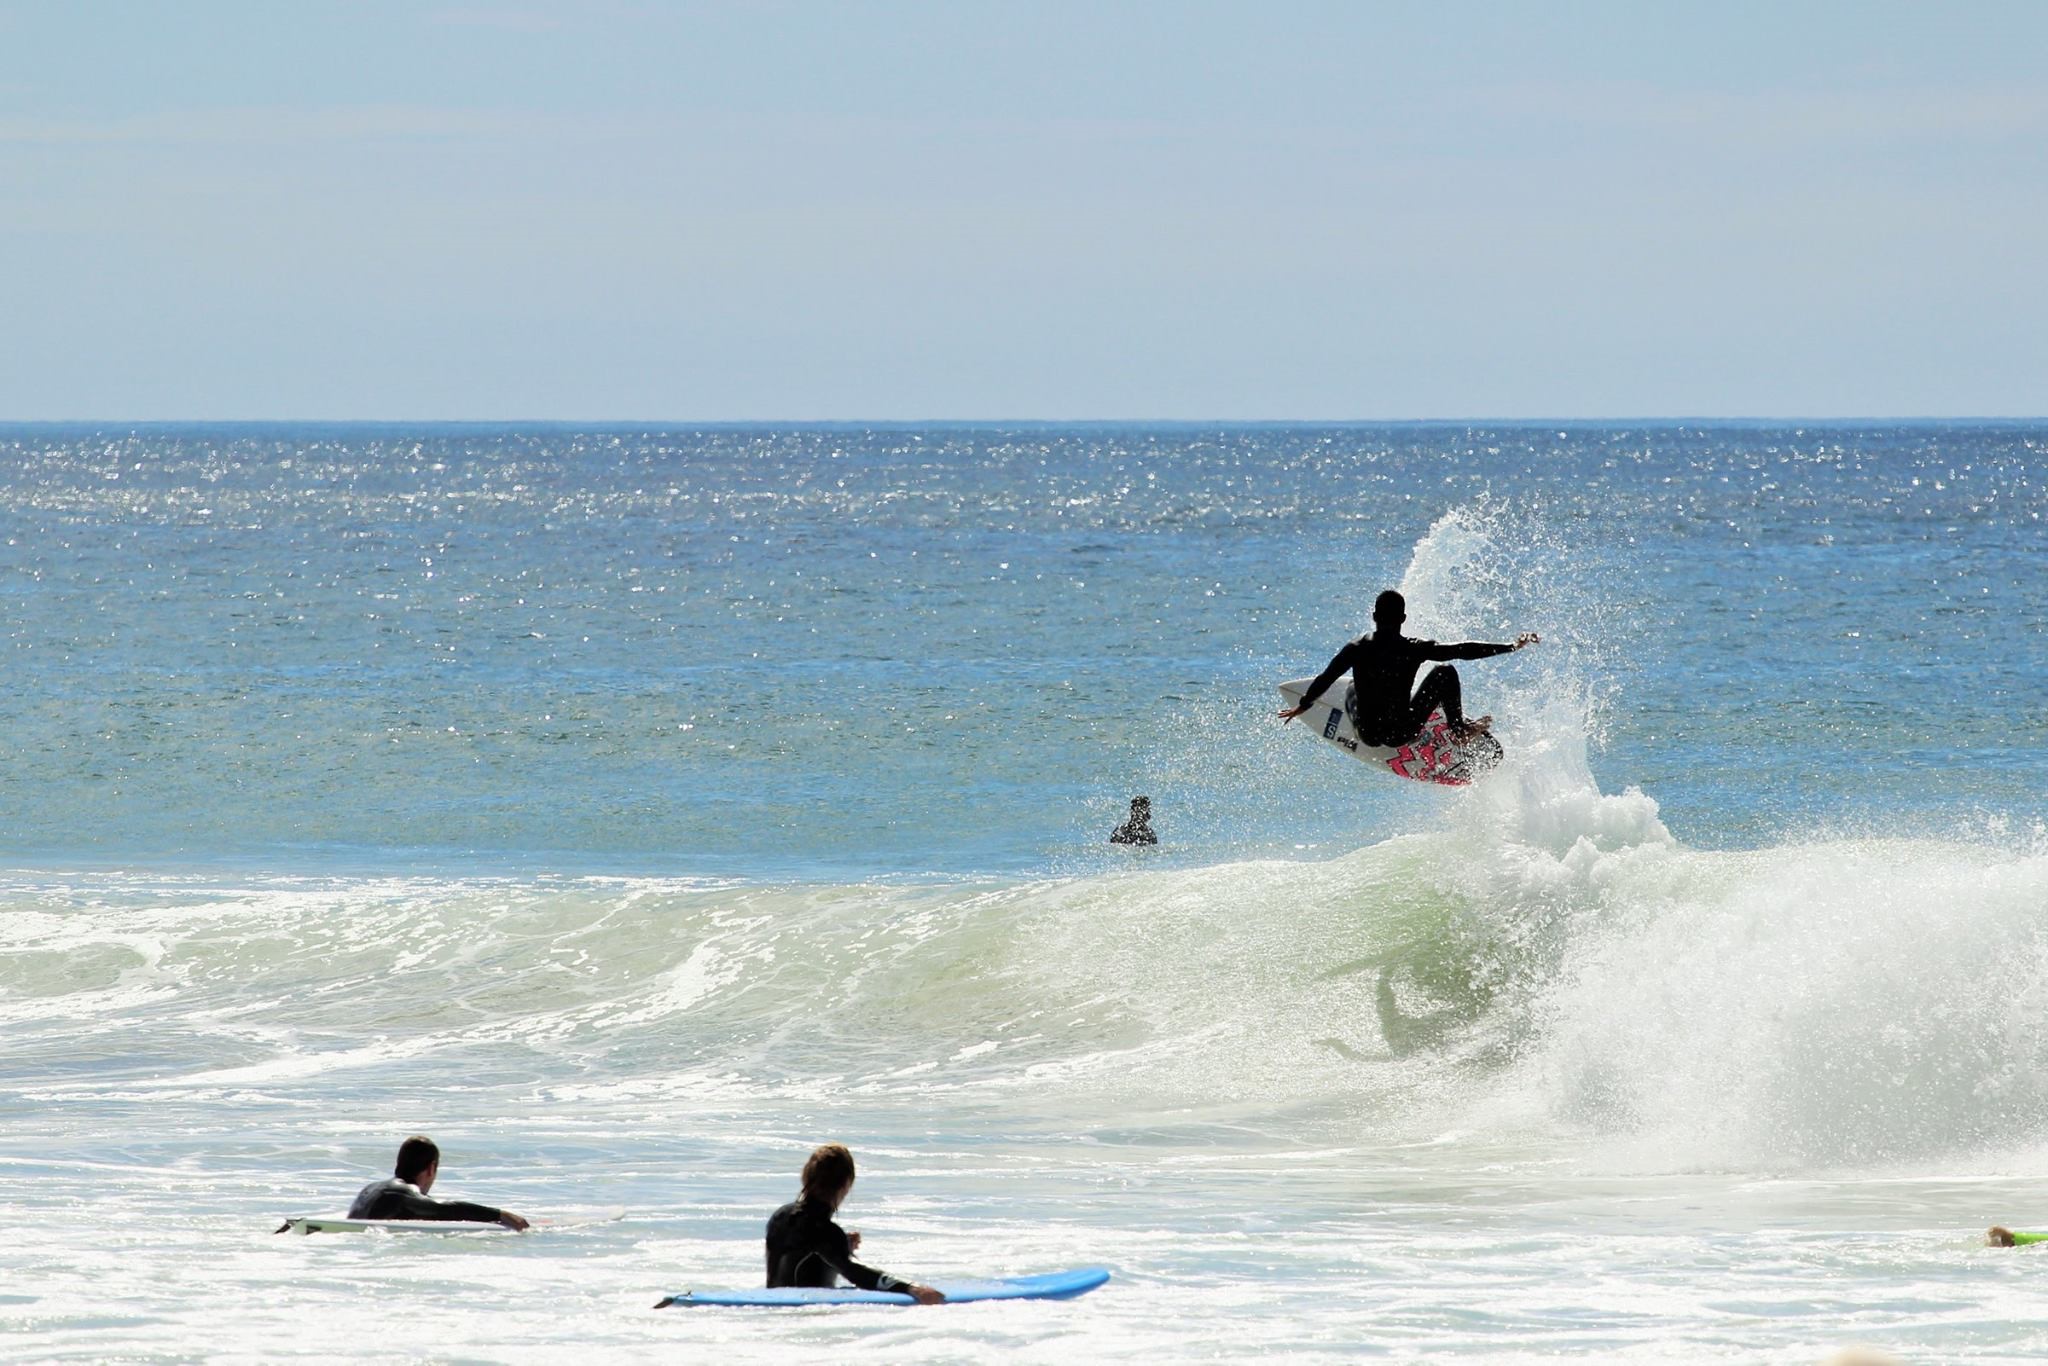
807,1248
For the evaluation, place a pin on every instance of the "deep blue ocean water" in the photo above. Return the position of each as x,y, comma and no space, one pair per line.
906,650
633,808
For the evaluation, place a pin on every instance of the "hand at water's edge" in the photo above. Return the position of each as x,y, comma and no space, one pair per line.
1527,638
1288,714
924,1294
512,1221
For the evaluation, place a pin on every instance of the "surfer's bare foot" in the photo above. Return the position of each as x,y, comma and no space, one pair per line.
1999,1236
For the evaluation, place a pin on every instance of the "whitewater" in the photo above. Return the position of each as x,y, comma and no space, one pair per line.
633,809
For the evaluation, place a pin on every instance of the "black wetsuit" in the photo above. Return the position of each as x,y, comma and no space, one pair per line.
806,1248
1136,830
392,1198
1385,706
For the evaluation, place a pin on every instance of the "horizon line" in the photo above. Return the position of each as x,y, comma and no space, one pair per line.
1665,420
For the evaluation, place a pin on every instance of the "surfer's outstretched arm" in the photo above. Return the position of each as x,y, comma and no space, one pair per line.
1480,649
1337,665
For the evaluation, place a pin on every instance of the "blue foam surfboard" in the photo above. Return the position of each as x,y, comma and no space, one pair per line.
1054,1285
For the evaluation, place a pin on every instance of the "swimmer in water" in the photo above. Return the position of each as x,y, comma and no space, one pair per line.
1138,829
805,1246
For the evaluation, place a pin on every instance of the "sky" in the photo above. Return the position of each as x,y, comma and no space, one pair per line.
972,209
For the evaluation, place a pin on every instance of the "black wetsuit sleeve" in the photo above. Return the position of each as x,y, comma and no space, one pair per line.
397,1201
836,1249
454,1211
1323,680
805,1249
1470,649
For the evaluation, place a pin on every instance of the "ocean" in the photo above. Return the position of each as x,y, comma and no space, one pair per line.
634,808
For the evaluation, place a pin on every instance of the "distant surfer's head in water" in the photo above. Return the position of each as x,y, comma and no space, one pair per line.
1137,829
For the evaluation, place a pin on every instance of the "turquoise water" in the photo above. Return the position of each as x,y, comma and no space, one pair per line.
634,808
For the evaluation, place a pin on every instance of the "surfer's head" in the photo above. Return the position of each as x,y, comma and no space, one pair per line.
1389,610
828,1175
417,1156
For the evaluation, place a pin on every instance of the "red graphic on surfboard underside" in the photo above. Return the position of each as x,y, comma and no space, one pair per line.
1433,756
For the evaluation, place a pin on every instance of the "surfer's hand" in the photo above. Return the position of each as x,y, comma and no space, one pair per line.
1289,713
924,1294
853,1241
512,1221
1526,638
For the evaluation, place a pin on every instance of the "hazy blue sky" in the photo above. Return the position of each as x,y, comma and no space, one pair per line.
310,208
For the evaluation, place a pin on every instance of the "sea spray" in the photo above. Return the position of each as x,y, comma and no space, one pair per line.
1804,1006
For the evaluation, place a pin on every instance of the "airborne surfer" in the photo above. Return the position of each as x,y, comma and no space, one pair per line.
1385,705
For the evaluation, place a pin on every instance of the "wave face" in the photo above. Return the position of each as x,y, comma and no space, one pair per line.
1852,1002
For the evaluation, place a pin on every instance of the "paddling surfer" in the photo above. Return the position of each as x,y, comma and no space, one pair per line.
1385,705
403,1194
805,1246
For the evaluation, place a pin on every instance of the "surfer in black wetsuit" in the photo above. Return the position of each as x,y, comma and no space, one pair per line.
403,1195
1385,705
1138,829
805,1246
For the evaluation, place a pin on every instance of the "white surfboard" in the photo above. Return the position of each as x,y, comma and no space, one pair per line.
341,1223
1433,756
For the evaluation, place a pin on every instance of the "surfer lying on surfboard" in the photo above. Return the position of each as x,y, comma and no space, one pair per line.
403,1194
1385,705
807,1248
2001,1236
